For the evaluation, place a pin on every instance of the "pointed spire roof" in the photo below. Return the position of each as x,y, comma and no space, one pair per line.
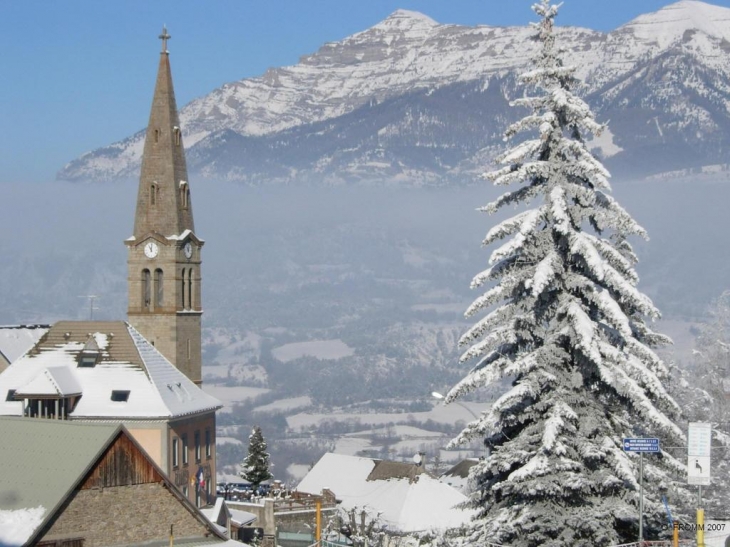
163,200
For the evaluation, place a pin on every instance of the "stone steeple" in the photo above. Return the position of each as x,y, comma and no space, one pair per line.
164,252
163,201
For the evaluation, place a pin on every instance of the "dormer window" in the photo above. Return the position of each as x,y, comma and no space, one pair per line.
91,354
120,396
11,395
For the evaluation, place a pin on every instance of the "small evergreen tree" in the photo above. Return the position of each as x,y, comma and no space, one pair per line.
256,465
565,322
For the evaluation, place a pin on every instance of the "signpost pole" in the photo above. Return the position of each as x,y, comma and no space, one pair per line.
641,498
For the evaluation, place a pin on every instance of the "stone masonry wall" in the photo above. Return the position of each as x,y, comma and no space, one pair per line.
124,515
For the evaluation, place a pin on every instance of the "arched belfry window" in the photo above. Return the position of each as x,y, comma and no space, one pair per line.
154,192
178,136
157,135
190,288
182,289
158,288
184,194
146,290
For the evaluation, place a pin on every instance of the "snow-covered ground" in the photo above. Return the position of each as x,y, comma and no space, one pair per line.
440,413
321,349
283,405
227,440
229,396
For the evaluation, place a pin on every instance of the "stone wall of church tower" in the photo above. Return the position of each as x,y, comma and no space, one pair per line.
164,263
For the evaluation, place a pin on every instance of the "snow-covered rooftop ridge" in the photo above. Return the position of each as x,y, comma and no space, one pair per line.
671,22
53,381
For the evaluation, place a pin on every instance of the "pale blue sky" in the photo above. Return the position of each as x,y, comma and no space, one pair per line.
78,74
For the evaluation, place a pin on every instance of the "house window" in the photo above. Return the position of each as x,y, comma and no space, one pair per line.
158,287
146,289
185,449
197,446
175,454
120,396
185,490
208,450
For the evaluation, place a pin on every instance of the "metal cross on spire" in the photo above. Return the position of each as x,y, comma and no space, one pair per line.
164,37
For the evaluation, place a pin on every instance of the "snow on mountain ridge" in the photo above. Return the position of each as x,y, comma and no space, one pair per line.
402,18
405,52
670,23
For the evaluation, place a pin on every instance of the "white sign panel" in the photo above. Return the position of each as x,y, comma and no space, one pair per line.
699,442
699,439
698,470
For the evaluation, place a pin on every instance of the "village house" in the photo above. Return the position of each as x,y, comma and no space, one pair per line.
67,484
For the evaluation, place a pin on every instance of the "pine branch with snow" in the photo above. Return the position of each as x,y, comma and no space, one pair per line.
565,321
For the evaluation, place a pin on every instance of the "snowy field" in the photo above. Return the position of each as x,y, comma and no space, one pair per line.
227,440
229,396
442,414
321,349
284,405
351,446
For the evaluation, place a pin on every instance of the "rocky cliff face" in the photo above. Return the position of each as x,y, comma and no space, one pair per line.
412,102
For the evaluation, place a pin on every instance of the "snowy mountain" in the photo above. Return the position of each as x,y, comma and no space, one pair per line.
415,102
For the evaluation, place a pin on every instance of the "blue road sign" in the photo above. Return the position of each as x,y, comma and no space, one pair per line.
641,445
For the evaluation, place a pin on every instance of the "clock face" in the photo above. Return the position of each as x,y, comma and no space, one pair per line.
188,250
151,249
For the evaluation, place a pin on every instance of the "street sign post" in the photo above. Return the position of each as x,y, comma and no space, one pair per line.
641,445
699,441
699,444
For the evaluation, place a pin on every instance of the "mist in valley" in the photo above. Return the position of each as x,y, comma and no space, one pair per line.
333,298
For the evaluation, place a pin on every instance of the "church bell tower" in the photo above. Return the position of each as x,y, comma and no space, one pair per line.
164,252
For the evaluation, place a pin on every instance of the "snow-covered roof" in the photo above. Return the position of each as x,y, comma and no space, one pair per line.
126,363
53,381
241,518
15,340
415,502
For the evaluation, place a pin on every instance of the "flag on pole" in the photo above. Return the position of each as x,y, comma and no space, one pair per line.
201,478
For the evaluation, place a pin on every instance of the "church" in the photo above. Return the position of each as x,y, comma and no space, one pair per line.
144,373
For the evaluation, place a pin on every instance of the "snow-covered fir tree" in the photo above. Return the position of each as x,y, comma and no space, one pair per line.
561,316
256,465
